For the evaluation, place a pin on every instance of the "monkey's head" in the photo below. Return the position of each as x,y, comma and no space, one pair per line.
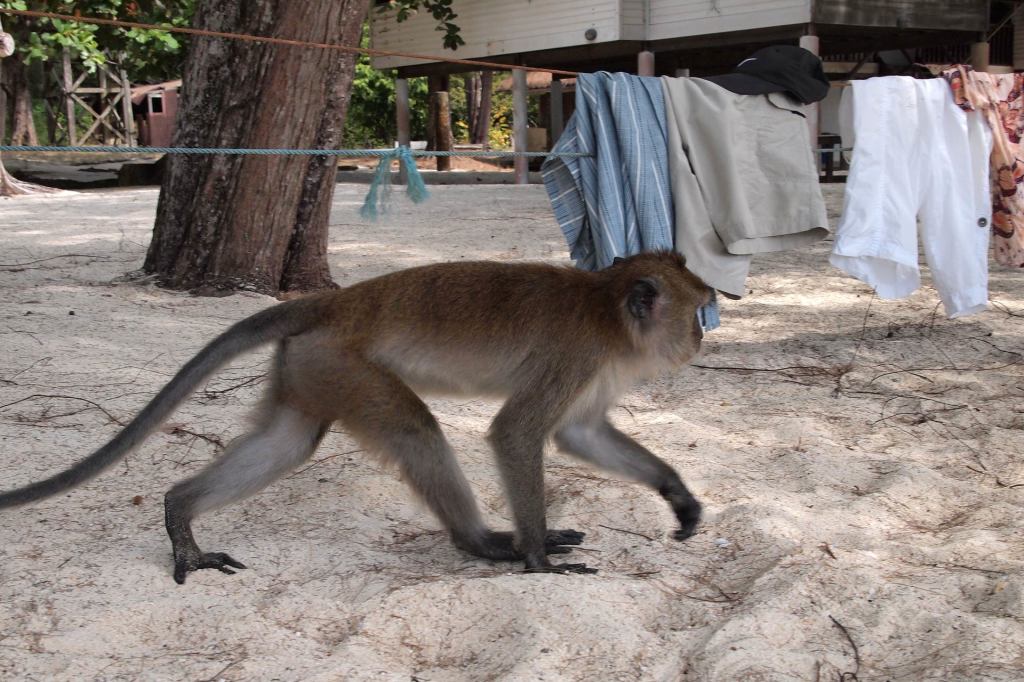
660,298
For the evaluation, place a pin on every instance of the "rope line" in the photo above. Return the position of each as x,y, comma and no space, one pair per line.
278,41
280,152
312,152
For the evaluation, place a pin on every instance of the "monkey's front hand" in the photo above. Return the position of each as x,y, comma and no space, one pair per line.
686,507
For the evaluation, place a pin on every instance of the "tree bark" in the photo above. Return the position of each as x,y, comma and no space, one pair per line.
440,103
478,106
16,83
256,222
481,133
435,84
9,185
471,83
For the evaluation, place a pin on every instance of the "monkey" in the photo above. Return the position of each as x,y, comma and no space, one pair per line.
559,344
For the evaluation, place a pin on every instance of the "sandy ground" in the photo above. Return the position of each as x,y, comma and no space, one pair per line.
861,462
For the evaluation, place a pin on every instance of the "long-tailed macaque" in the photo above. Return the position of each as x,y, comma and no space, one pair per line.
559,344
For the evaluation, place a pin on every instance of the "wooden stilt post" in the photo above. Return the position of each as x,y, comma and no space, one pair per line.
557,115
810,42
980,55
519,123
402,119
69,103
439,123
445,142
1018,43
645,63
126,109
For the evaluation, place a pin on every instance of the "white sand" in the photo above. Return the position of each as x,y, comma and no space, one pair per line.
877,480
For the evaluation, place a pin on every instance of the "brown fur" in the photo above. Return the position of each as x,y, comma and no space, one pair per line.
559,344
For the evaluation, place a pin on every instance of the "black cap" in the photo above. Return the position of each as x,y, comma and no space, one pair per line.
779,68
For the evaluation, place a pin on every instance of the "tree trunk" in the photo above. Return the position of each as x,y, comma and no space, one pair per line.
9,185
256,222
481,132
23,126
471,83
440,103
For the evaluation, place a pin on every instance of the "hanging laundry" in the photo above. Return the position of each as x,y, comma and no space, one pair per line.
743,178
616,202
916,153
1000,99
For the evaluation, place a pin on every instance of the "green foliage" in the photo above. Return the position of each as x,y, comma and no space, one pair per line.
150,55
146,54
440,10
371,109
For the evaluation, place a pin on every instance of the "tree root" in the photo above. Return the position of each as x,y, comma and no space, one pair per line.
12,187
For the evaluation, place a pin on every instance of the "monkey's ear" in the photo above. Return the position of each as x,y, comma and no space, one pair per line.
641,299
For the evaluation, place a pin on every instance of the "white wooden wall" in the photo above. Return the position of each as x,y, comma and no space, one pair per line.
679,18
496,27
633,19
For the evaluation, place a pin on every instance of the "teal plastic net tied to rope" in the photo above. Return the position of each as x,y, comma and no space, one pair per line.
378,197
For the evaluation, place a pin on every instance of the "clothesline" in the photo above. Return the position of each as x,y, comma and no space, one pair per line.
236,151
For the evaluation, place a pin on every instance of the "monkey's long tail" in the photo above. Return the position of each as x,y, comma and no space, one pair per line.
277,322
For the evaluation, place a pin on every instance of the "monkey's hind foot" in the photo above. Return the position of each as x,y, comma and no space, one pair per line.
564,569
219,560
500,545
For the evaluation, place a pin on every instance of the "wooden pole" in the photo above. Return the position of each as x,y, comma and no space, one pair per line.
402,111
519,123
402,121
483,118
810,42
471,83
69,103
103,132
436,139
445,142
980,55
126,109
557,114
1018,43
645,63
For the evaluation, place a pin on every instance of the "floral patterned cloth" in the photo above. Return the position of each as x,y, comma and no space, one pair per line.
1000,98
